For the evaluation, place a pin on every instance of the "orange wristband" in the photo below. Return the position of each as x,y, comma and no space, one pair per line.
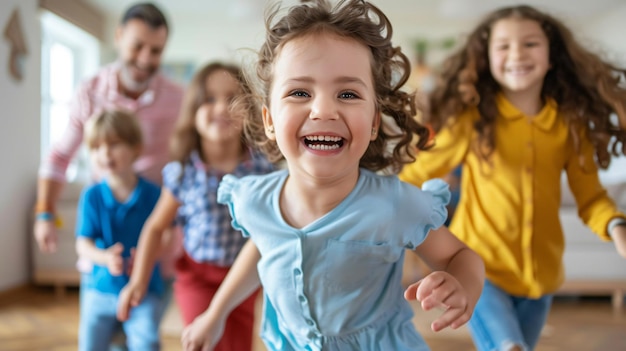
43,207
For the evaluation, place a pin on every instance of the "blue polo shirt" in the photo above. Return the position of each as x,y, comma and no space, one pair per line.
106,221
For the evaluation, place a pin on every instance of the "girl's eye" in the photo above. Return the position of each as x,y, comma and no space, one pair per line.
502,47
209,100
531,44
348,95
299,93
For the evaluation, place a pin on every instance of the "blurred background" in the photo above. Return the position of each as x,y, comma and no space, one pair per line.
203,30
50,46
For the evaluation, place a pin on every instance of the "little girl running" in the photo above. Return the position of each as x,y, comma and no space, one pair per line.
518,105
207,144
328,234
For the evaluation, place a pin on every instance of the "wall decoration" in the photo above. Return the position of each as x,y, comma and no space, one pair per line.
13,33
180,72
422,76
422,46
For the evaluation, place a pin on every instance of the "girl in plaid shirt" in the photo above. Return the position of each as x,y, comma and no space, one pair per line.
207,144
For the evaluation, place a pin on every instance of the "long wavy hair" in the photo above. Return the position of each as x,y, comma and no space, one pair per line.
587,89
361,21
185,138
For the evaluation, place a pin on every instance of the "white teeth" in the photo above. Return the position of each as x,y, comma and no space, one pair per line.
518,70
324,147
323,142
323,138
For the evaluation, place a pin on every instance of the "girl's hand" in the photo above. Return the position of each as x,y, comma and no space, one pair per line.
130,296
440,289
114,260
202,334
619,239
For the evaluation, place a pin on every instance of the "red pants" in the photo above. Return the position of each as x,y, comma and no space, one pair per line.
194,288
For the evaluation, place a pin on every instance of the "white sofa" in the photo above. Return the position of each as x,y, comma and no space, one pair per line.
592,266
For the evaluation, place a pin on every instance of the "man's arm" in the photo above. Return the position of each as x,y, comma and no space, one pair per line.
48,192
52,173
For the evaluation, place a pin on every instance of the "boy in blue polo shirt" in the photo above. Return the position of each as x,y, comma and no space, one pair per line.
110,217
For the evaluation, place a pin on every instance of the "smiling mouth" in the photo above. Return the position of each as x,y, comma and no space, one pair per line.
143,72
519,70
323,142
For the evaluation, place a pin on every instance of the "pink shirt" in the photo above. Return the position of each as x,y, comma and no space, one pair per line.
157,110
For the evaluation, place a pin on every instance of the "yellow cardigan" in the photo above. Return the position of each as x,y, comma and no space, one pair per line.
509,213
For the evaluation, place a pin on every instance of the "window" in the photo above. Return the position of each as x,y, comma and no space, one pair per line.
68,56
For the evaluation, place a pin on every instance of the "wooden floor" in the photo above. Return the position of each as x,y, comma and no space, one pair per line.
36,319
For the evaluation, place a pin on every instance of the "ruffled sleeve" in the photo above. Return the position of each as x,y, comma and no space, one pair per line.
420,210
172,178
440,197
225,189
226,194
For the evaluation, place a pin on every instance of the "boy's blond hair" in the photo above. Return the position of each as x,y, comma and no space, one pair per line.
113,124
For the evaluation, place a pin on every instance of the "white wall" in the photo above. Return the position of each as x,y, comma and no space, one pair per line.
606,36
221,42
229,42
198,38
608,33
19,142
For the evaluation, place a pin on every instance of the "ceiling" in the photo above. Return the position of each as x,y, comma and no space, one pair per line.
419,9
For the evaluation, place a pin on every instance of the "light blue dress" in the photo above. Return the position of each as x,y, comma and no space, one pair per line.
335,284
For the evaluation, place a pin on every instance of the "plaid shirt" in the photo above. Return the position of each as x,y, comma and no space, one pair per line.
208,234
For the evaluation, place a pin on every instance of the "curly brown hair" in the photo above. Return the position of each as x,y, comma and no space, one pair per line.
365,23
185,138
587,89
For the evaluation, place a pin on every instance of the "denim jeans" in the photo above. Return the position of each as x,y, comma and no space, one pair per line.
501,320
98,322
119,339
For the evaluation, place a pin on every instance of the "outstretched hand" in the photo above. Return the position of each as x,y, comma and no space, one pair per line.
114,259
441,290
619,239
202,334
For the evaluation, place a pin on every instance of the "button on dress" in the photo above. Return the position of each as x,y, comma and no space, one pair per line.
335,283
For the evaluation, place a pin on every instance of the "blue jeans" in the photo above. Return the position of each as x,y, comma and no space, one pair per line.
119,344
501,320
98,322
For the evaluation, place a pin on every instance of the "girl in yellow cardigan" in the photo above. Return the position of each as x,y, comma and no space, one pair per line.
519,104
